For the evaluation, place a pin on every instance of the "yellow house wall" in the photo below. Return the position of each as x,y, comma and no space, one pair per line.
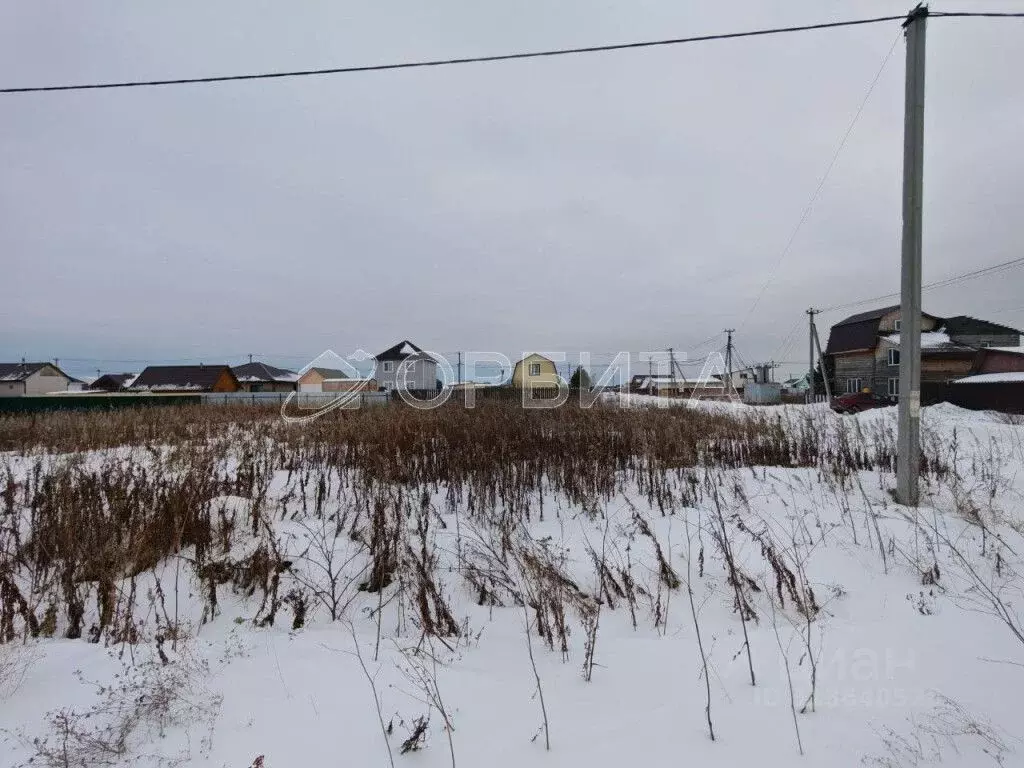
521,374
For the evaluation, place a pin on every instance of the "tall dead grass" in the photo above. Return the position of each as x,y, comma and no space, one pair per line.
90,502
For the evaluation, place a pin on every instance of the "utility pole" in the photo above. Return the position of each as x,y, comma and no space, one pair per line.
821,359
810,350
250,358
650,366
909,439
672,362
460,367
728,359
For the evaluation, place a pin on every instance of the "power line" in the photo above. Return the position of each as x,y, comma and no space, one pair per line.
449,62
979,14
821,183
983,272
783,347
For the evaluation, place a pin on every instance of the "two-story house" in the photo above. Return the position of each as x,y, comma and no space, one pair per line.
536,372
864,349
417,369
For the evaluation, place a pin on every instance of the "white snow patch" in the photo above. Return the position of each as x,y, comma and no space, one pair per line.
928,339
991,378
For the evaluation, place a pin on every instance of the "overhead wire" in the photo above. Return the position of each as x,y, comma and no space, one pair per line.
953,280
549,53
821,182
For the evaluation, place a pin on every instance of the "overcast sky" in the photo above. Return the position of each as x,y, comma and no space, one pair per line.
620,201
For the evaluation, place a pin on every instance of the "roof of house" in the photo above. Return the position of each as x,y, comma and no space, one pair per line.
644,382
936,344
533,357
929,340
992,378
112,381
328,373
179,377
400,351
263,372
21,371
965,325
859,331
873,314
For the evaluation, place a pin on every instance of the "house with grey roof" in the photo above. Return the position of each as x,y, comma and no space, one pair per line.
20,379
418,370
261,377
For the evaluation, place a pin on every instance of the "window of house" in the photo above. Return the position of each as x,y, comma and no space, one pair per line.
388,366
894,357
986,344
535,369
853,386
894,387
896,324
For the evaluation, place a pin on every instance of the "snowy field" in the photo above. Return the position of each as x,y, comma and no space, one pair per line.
322,605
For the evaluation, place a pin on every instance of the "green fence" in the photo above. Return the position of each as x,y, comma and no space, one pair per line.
84,402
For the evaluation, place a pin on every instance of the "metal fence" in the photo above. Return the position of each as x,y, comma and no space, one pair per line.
308,401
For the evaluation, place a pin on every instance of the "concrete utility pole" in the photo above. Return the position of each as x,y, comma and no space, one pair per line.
821,359
460,367
728,359
672,362
909,439
810,350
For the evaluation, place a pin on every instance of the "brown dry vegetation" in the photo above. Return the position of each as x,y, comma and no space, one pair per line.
108,496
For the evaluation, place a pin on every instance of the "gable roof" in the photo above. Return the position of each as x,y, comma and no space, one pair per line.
400,351
112,381
860,331
176,377
329,373
532,358
21,371
872,314
263,372
965,325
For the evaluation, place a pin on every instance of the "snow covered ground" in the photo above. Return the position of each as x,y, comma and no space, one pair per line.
877,635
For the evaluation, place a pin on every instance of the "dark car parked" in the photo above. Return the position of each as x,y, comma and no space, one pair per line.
855,402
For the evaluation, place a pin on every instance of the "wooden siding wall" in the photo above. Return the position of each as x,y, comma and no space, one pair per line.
1000,362
855,365
888,323
226,383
